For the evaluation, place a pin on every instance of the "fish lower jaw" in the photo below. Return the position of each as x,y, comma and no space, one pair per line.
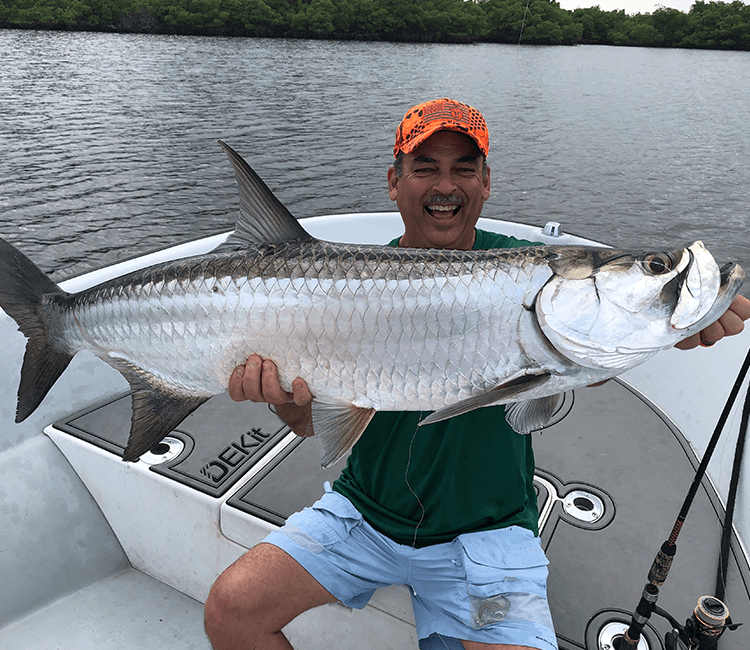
731,274
732,278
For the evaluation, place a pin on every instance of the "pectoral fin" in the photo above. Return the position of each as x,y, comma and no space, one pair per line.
337,427
533,414
498,395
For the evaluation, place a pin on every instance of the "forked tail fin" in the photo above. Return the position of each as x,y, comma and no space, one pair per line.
27,295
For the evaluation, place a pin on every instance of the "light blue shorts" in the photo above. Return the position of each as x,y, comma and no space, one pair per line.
488,587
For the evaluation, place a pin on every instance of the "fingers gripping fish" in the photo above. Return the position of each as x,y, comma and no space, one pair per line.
368,327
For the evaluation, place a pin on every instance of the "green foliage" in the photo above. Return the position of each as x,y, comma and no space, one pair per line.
253,14
200,13
504,18
672,24
44,12
718,25
538,22
316,17
713,24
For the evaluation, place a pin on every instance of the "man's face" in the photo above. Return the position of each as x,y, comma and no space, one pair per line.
441,192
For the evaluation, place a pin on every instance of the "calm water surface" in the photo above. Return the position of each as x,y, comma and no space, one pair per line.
108,142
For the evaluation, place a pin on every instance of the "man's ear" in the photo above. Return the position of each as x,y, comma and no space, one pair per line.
486,179
392,183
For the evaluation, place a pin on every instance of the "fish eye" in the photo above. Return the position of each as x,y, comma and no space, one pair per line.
657,263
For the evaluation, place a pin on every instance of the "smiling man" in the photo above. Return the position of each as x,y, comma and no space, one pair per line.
448,509
439,181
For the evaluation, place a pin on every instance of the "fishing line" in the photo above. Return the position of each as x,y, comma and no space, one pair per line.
421,505
408,485
523,22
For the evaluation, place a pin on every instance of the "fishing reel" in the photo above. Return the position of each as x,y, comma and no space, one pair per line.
710,619
708,622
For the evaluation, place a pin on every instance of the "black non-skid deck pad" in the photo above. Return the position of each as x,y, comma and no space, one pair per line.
222,439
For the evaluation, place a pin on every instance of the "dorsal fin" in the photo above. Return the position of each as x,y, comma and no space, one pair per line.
263,218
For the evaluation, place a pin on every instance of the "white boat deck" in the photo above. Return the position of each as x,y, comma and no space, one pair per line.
126,609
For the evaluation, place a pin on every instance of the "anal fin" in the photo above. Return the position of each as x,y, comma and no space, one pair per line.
157,408
155,414
337,427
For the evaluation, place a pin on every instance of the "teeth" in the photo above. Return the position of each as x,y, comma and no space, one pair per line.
441,208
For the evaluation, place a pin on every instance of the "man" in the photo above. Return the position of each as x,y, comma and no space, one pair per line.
413,506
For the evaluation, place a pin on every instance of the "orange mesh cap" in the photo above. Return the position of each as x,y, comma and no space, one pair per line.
421,121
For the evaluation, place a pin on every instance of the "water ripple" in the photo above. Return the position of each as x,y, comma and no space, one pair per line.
109,141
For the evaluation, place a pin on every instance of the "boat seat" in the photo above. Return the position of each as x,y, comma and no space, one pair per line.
67,583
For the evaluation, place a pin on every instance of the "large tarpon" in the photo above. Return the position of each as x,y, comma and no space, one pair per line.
368,327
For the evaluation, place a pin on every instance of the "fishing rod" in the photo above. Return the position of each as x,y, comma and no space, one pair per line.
710,617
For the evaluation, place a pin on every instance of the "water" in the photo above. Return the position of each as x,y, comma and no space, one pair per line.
109,146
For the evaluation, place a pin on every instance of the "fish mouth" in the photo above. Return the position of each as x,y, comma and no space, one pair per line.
730,279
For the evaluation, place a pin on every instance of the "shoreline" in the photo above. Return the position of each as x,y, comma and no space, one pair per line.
455,22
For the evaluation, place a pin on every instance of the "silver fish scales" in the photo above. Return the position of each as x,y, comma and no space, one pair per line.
368,327
381,328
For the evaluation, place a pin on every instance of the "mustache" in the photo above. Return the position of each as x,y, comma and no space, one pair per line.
442,198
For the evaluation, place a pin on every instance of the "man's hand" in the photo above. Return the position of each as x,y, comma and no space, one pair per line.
257,380
731,323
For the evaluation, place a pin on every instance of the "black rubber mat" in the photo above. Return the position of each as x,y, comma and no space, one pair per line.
222,439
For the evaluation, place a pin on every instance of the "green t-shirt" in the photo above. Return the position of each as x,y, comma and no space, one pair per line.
427,485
